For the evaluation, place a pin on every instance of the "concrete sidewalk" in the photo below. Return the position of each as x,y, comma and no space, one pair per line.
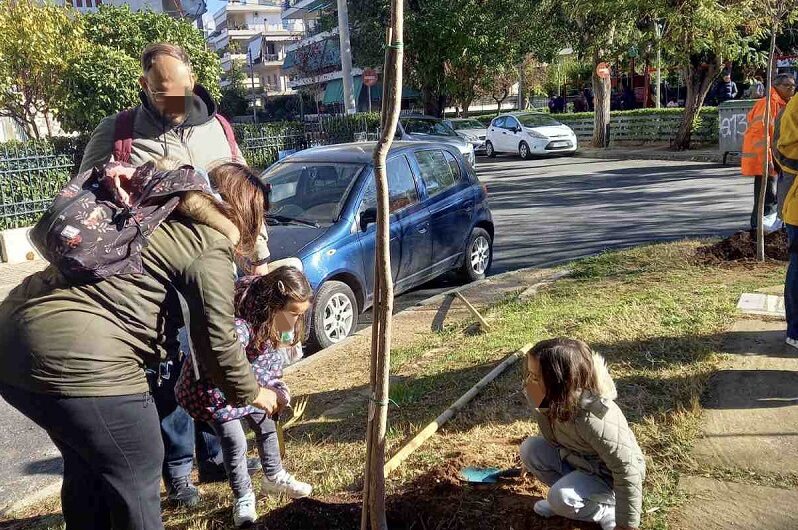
749,436
656,152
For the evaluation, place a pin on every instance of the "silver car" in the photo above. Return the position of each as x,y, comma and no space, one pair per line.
417,128
471,130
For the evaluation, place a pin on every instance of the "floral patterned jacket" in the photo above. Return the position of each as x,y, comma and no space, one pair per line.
204,401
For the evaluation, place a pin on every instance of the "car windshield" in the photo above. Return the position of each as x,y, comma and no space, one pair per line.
537,120
311,193
466,124
427,126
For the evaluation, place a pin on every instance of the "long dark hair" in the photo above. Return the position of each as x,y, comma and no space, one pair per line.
245,202
566,367
258,298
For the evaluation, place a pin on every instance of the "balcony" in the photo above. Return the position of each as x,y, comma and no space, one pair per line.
229,58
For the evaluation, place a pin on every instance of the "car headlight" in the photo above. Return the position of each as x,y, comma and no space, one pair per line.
534,134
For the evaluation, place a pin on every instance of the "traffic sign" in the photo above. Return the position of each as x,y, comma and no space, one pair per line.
603,70
369,77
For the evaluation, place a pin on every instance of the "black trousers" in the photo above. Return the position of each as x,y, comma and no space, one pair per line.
112,454
771,201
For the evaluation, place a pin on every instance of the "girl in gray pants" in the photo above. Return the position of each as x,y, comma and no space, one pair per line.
586,454
269,323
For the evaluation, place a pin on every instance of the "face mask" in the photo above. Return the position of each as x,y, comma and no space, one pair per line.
287,337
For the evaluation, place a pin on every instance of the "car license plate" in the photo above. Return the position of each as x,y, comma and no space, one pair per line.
565,143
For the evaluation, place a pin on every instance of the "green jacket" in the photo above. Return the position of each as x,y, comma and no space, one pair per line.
95,339
200,141
600,442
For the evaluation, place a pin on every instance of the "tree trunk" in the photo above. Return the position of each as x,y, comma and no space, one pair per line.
601,99
698,80
432,101
466,104
373,514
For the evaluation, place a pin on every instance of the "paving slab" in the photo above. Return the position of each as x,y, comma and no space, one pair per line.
750,418
761,304
717,505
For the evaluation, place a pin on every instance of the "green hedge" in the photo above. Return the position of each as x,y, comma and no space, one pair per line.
31,173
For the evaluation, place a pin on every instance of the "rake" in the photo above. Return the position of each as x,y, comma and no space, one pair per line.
296,414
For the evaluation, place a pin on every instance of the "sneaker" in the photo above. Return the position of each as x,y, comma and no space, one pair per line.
792,342
608,521
244,513
543,509
182,493
284,482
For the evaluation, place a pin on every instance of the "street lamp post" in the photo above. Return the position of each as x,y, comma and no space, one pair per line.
252,84
346,58
658,31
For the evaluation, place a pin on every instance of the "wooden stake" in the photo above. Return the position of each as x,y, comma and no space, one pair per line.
427,432
482,323
373,514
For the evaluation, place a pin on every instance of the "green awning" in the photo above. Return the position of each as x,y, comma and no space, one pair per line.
334,92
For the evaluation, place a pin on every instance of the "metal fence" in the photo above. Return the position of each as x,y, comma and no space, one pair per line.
31,173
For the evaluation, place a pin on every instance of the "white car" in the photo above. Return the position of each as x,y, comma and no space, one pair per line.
471,130
529,134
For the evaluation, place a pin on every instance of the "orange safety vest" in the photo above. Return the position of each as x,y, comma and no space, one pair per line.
754,141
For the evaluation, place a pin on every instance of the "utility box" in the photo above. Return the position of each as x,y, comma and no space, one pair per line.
733,122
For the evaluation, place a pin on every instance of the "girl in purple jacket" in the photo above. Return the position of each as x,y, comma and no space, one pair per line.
269,324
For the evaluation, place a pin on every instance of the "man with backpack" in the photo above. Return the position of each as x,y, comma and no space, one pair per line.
176,120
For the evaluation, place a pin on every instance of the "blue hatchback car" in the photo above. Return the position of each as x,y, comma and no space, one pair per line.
323,211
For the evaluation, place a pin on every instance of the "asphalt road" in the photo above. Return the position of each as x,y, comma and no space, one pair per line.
553,210
546,211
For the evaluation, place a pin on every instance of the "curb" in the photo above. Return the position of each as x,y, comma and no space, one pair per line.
672,156
43,493
435,299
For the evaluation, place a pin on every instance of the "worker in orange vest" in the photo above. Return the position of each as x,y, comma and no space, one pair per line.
754,143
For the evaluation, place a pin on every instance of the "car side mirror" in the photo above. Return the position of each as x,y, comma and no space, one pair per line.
518,129
368,217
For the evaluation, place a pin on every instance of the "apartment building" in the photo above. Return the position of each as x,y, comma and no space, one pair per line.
255,28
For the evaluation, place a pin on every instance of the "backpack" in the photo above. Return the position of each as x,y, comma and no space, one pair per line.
123,135
96,228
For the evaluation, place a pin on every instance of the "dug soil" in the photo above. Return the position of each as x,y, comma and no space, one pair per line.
742,247
435,500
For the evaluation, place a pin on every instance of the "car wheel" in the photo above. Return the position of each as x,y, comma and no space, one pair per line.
335,314
489,151
478,255
523,150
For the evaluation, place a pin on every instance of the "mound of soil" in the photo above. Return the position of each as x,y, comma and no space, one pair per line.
742,247
435,500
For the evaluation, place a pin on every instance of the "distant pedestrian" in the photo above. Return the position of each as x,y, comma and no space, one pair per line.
726,89
785,151
672,103
588,93
757,89
752,163
585,452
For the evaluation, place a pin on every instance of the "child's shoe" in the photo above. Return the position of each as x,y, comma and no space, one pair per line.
543,509
244,513
284,482
608,521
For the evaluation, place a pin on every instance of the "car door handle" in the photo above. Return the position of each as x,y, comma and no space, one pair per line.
504,132
422,229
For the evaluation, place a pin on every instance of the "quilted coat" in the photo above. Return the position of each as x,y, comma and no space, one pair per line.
599,441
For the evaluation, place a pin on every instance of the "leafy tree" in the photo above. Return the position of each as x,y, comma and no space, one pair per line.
234,100
450,45
98,83
131,32
598,30
38,42
105,80
702,36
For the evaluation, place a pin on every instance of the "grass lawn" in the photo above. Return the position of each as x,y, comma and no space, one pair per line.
656,315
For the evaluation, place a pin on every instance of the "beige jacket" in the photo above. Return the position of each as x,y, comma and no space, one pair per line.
199,141
599,441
